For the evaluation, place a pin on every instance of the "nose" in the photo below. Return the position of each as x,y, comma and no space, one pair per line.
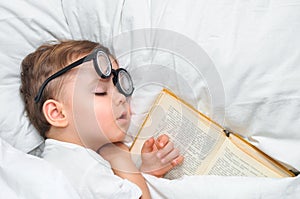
119,97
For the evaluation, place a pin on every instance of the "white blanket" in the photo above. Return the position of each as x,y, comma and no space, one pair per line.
26,176
225,187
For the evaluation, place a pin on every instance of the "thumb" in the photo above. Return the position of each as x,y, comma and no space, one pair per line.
148,146
161,141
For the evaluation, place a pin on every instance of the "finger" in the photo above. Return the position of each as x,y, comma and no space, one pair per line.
177,161
161,141
148,146
170,156
165,150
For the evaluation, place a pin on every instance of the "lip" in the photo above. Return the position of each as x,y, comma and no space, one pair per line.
123,117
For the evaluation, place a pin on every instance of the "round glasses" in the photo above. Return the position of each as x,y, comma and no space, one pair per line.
102,64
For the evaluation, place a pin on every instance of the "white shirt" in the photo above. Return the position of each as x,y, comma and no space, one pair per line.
89,173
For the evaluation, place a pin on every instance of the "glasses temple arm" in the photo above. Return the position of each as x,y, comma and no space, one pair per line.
55,75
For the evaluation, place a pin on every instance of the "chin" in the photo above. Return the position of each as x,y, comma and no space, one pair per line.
119,137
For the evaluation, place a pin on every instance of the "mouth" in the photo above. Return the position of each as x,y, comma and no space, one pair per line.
123,120
123,116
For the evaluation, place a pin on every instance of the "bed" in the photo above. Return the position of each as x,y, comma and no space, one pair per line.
236,61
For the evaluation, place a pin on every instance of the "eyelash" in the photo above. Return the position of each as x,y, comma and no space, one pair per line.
101,94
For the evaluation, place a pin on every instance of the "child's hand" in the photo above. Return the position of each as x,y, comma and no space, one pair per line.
159,156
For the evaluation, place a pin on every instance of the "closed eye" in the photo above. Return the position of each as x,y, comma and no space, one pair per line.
101,93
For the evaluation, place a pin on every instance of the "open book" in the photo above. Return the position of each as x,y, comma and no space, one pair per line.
208,149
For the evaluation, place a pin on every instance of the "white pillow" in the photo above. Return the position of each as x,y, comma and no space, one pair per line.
24,26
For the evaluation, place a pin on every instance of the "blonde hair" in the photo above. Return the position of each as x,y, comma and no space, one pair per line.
41,64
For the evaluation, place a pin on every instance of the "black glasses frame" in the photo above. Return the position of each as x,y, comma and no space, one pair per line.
92,56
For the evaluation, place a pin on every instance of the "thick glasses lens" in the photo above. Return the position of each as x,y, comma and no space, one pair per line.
124,82
103,65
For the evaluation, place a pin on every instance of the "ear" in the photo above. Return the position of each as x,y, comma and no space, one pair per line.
54,113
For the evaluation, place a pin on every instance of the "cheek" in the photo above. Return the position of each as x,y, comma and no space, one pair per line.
104,114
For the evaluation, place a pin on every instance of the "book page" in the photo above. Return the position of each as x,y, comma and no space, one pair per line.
196,137
260,156
231,161
195,140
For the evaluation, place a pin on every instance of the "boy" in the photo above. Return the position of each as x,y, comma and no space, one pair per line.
76,97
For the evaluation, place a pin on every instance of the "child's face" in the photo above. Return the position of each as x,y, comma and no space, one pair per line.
99,112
